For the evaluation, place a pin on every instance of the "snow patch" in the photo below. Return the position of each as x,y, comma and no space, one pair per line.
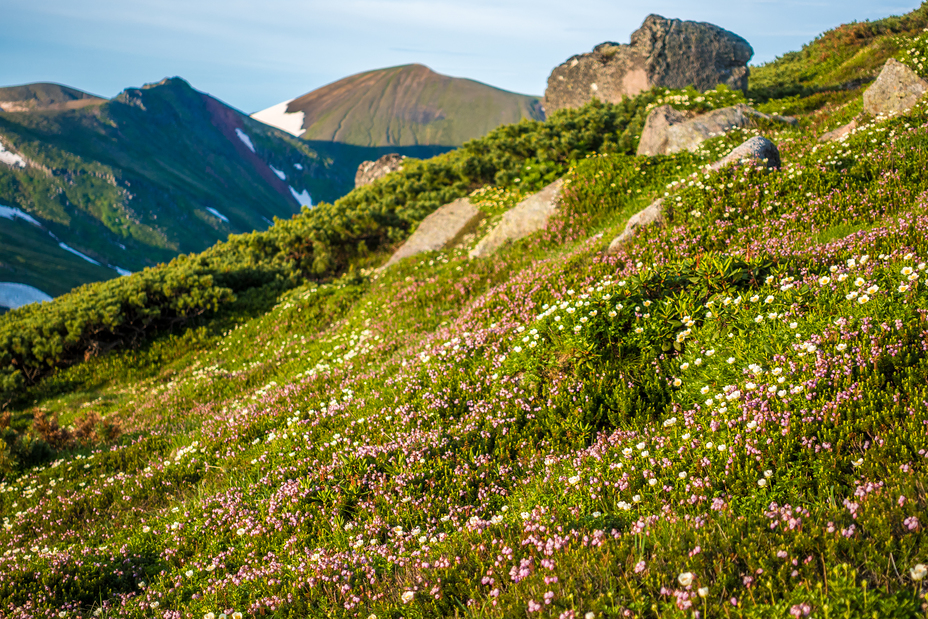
298,166
245,139
217,214
8,212
122,272
11,159
302,198
279,174
16,295
77,253
277,116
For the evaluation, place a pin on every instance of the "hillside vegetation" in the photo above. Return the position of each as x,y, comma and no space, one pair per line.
727,417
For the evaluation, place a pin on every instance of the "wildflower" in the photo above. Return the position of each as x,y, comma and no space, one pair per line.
677,382
704,390
824,280
209,615
703,591
857,463
841,347
408,596
709,353
669,422
907,271
652,482
573,481
768,473
793,325
859,282
903,287
863,299
189,573
685,579
761,482
731,360
918,572
684,367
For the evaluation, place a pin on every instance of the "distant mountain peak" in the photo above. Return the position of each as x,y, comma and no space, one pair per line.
406,105
44,96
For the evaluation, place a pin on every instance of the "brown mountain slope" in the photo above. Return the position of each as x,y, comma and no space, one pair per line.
410,105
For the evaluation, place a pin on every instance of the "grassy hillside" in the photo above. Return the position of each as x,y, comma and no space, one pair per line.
131,182
410,105
44,96
726,417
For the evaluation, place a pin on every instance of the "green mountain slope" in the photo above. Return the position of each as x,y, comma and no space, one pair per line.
727,416
135,181
409,105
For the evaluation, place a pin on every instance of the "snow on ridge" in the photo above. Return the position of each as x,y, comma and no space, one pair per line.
298,166
13,295
245,139
11,159
122,272
279,174
303,198
277,116
11,213
217,214
79,254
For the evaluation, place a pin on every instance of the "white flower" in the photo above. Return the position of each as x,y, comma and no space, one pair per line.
730,360
842,277
824,281
768,473
859,282
703,591
652,482
669,422
903,288
793,325
209,615
685,579
684,367
189,573
907,270
408,596
709,353
761,482
722,447
677,382
842,346
682,474
857,463
918,572
704,390
573,481
636,498
863,299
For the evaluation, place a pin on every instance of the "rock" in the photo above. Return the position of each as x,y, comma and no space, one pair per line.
840,132
370,171
663,52
654,213
895,90
526,217
755,149
439,230
667,131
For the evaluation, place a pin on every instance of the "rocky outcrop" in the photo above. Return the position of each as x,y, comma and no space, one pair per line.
370,171
756,149
663,52
526,217
840,132
654,213
895,90
668,131
439,230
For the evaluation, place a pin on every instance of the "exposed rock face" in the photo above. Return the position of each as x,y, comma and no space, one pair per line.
370,171
663,52
840,132
668,131
439,230
654,213
526,217
895,90
756,149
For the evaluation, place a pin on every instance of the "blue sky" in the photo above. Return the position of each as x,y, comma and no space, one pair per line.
254,54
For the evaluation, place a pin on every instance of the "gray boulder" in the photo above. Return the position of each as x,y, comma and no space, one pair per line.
370,171
895,90
756,149
663,52
667,131
526,217
439,230
653,214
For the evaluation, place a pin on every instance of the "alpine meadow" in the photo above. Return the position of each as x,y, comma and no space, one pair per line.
698,387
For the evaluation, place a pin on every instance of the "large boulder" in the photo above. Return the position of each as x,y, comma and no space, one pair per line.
653,214
756,149
667,131
370,171
439,230
895,90
526,217
663,52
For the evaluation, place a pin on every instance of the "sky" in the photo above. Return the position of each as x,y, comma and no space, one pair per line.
253,54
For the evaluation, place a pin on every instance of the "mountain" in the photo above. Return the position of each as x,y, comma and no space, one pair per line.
409,105
44,97
90,188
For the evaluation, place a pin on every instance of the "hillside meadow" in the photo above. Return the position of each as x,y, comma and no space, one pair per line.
725,418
